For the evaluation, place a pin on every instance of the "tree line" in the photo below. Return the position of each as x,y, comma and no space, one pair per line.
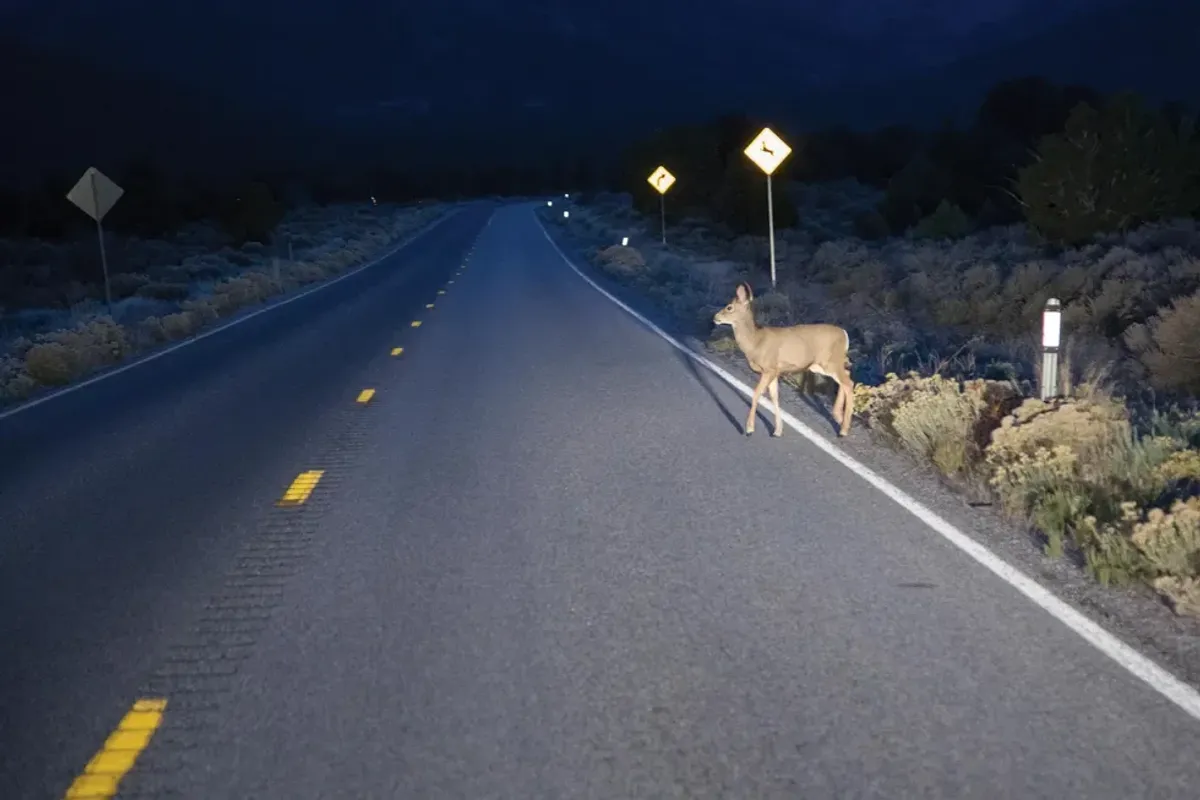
1065,159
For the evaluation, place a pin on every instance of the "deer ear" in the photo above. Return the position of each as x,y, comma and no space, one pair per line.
744,292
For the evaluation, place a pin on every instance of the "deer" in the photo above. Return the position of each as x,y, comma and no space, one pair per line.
821,349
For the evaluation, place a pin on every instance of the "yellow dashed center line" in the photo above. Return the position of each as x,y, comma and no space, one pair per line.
416,323
441,291
449,282
396,351
429,305
301,488
365,396
106,769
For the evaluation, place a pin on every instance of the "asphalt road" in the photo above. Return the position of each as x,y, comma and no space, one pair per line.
121,503
543,562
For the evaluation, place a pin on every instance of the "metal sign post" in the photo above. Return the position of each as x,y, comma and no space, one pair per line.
662,180
95,195
768,151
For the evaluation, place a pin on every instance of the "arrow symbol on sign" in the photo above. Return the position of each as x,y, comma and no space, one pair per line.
767,150
661,178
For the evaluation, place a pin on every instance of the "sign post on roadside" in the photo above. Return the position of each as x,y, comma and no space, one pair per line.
768,151
662,180
95,194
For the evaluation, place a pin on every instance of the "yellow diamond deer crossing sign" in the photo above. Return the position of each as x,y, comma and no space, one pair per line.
768,151
661,180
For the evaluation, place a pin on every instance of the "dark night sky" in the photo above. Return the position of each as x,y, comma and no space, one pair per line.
485,69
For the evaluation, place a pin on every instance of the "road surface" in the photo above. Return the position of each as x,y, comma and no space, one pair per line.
541,561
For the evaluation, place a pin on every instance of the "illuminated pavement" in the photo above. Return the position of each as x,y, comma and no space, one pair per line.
539,560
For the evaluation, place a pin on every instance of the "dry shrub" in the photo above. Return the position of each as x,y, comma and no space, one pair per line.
935,418
1181,466
179,326
1077,469
63,356
15,382
247,289
170,327
621,260
337,261
1160,546
1168,344
1045,443
203,309
724,344
304,273
714,279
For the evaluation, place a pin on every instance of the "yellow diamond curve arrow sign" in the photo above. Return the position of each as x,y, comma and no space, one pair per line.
768,151
661,180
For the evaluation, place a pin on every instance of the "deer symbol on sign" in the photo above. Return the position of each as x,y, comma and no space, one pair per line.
767,150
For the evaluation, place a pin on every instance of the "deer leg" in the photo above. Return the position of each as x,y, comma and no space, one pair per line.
773,388
839,404
758,390
846,396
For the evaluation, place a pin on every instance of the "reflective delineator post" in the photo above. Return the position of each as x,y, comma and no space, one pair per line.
1051,340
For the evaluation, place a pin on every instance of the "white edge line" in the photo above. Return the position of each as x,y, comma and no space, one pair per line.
227,325
1159,679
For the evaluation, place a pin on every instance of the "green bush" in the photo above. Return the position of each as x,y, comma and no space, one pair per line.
914,192
948,221
1110,170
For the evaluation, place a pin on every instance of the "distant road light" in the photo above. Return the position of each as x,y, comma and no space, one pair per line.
624,241
566,214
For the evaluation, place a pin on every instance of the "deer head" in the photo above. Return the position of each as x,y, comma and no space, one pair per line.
738,309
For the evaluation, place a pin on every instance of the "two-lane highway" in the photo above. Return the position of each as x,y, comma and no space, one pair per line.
122,502
542,561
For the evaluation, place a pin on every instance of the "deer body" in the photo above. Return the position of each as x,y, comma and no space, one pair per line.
776,351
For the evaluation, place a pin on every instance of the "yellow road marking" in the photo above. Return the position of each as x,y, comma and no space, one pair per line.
416,323
104,772
301,488
365,396
397,351
441,291
429,305
449,282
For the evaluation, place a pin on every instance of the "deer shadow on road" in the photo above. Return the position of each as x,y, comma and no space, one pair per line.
706,379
